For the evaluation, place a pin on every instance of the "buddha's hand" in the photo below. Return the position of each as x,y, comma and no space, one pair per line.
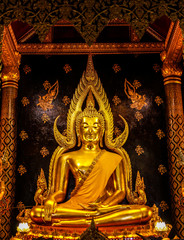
104,208
96,205
90,207
49,208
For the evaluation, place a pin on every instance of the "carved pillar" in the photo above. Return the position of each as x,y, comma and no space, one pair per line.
10,77
172,72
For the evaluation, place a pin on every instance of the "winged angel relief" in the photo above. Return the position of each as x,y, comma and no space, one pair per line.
45,102
138,101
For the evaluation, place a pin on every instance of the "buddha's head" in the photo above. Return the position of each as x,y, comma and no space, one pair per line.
90,124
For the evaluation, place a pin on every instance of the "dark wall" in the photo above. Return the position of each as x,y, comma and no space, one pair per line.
142,132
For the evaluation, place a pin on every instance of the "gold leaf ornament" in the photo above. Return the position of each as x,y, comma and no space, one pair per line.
116,100
158,100
139,150
162,169
160,134
136,84
67,68
46,85
44,151
66,100
23,135
138,116
164,206
27,69
25,101
116,68
22,170
45,118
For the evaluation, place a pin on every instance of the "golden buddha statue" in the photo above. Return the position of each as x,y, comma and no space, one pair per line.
101,167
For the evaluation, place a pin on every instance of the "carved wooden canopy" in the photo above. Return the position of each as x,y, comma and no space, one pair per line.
88,17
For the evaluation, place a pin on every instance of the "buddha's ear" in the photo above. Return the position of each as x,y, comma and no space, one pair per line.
101,138
79,140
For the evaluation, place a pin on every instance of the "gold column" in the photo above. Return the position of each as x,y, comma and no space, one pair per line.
172,72
10,77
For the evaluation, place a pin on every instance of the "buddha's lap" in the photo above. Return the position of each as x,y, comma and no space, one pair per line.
132,214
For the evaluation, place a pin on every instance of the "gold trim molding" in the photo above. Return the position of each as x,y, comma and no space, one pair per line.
172,79
97,48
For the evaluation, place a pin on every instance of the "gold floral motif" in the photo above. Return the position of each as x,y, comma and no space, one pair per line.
158,100
25,101
156,67
138,116
139,150
138,101
66,100
21,169
45,118
23,135
116,68
117,131
67,68
162,169
116,100
160,134
44,151
27,69
164,206
136,84
20,206
46,85
45,102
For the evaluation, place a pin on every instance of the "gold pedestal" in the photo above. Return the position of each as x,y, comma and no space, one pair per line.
130,232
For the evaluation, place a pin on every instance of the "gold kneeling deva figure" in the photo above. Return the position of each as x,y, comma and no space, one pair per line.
101,167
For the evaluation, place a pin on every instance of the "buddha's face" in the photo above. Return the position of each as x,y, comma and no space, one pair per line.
90,129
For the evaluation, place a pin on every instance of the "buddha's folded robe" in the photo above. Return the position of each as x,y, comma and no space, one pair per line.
95,183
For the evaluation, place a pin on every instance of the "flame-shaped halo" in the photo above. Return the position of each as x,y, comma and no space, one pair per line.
90,81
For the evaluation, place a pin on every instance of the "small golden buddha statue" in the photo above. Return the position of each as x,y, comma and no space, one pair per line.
101,167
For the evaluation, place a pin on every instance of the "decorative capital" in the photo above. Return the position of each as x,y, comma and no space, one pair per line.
10,76
11,59
172,55
171,71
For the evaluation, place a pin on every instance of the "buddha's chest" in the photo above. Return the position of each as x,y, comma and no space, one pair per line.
80,165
